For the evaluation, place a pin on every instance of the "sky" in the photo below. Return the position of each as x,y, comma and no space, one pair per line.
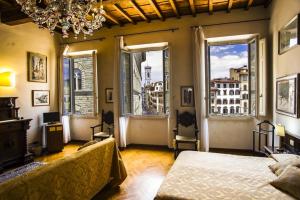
224,57
155,60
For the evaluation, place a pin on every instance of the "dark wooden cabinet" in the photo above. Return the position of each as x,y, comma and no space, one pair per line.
54,137
13,134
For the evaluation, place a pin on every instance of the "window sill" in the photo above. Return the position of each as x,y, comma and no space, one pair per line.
230,118
84,116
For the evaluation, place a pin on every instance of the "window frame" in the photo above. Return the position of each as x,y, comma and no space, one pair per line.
71,57
254,38
130,51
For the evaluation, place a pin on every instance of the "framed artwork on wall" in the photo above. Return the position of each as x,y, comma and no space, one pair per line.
187,96
37,67
109,95
289,35
287,95
40,97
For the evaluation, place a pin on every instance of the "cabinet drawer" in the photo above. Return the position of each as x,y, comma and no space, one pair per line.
11,127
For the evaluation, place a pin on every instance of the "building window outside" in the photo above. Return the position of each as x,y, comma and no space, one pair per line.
237,92
225,110
231,110
237,109
231,101
225,92
231,92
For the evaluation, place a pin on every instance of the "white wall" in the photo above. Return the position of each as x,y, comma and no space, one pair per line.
288,63
149,131
16,41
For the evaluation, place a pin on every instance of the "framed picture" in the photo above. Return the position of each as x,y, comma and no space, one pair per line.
289,35
287,95
109,95
37,67
187,96
40,97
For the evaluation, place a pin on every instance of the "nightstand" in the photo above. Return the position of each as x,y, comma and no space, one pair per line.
269,150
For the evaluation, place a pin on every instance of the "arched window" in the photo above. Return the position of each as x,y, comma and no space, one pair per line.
225,110
219,101
237,101
231,101
237,109
231,92
225,101
77,79
237,92
219,110
231,110
245,87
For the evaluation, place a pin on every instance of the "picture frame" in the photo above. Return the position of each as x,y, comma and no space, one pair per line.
187,96
289,35
287,95
37,67
109,95
40,98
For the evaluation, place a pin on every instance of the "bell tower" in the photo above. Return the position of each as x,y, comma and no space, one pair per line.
147,75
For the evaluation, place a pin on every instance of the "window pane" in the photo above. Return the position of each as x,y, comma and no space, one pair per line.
253,63
167,80
67,86
83,85
229,78
125,87
153,83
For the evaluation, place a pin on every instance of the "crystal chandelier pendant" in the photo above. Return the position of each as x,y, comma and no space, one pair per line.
81,16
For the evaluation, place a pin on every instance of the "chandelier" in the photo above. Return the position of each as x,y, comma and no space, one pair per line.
78,15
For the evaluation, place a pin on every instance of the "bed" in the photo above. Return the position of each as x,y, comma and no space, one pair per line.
213,176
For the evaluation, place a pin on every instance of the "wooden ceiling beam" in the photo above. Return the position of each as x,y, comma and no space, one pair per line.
14,17
210,6
6,3
250,2
174,7
123,13
192,7
156,9
111,18
230,2
139,10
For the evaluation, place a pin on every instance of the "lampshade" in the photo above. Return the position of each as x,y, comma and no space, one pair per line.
6,79
280,130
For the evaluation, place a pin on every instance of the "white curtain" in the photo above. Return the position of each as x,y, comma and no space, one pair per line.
66,124
120,123
200,77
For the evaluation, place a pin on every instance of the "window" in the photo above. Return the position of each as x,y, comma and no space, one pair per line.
218,92
231,110
219,110
225,110
237,109
219,101
79,85
145,82
218,86
239,74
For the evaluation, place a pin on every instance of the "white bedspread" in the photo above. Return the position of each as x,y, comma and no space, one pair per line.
213,176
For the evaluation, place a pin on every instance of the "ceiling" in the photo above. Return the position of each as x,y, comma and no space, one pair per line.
120,12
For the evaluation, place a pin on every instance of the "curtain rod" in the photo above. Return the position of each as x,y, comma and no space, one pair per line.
147,32
254,20
87,40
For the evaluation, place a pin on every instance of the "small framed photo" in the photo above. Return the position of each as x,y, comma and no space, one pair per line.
187,96
37,67
109,95
287,95
40,97
289,35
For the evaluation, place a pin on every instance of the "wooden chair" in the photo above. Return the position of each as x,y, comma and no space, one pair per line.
107,121
185,119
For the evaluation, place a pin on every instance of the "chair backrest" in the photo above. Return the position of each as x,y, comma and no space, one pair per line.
107,118
186,119
265,126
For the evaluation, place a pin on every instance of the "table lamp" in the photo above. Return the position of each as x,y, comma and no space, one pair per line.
280,131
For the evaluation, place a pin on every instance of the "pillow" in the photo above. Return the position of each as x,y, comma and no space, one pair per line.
279,157
278,167
289,181
87,144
